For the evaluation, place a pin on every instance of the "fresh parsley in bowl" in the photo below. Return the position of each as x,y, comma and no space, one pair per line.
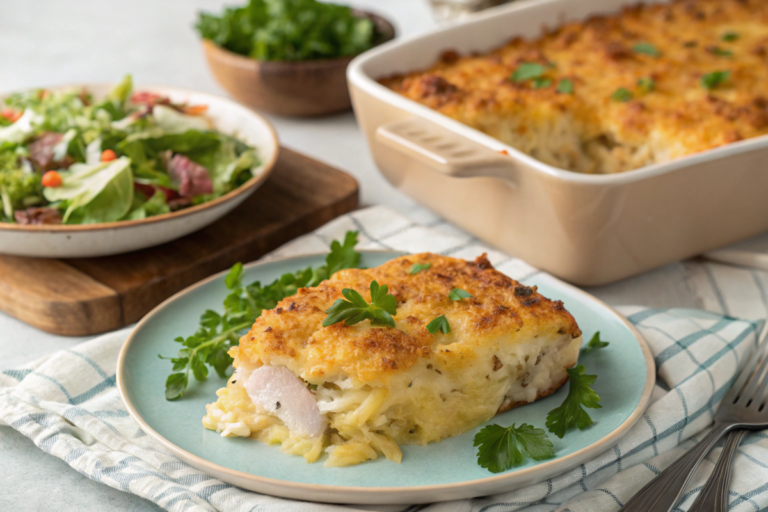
289,57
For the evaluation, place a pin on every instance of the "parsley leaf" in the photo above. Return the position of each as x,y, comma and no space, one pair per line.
418,267
571,413
565,86
527,71
343,255
646,84
502,448
716,50
541,83
621,94
355,309
647,49
439,324
712,80
729,37
294,30
594,344
217,333
458,294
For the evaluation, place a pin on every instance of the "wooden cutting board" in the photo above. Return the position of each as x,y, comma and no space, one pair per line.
78,297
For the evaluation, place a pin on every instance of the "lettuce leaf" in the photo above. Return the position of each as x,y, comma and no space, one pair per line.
143,208
95,192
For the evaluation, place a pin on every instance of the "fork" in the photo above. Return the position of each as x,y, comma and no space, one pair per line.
714,496
743,407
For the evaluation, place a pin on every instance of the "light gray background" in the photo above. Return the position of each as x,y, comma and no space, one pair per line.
50,42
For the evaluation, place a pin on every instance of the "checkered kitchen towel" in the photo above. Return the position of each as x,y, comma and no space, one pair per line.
68,404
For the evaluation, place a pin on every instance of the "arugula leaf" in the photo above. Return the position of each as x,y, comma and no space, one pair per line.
571,413
565,86
527,71
647,49
439,324
502,448
458,294
418,267
355,309
621,94
595,343
712,80
646,84
219,332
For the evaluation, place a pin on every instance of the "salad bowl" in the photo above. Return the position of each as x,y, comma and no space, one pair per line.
107,238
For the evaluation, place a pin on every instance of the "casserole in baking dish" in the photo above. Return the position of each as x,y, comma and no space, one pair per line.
586,228
613,93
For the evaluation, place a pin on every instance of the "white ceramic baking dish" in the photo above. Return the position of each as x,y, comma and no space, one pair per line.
587,229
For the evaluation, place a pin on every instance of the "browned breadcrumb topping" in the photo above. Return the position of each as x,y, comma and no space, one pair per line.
292,334
676,117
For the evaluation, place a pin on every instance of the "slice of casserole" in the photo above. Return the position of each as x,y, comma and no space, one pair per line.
360,390
612,93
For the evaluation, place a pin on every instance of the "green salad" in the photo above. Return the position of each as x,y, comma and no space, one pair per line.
67,157
289,30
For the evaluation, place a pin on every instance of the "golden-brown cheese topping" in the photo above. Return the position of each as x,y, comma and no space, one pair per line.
292,334
692,37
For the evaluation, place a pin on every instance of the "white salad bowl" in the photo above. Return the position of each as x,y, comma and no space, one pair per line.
90,240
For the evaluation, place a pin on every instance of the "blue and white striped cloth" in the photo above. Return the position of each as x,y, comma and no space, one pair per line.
68,404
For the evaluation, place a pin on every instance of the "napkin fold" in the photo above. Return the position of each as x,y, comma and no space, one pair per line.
68,405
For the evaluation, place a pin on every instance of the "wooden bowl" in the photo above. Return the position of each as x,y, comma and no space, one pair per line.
286,88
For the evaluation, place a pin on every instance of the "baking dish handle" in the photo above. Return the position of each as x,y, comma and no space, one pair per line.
444,150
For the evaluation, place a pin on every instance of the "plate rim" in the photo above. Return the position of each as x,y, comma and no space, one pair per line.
275,486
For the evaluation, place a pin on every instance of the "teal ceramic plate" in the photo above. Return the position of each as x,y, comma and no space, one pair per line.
437,472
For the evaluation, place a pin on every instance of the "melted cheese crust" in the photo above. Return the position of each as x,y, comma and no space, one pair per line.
588,131
292,334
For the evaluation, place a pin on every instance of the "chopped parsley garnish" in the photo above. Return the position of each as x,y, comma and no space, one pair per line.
716,50
439,324
621,94
712,80
690,44
218,333
594,344
458,294
527,71
501,448
565,86
355,309
541,83
571,413
729,37
647,49
646,84
418,267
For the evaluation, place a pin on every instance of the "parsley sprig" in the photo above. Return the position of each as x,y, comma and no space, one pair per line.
501,448
418,267
595,343
439,324
571,413
355,309
458,294
217,333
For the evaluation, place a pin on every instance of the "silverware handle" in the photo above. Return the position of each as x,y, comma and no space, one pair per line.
714,496
661,493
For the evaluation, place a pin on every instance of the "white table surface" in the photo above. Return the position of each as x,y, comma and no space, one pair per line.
49,42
